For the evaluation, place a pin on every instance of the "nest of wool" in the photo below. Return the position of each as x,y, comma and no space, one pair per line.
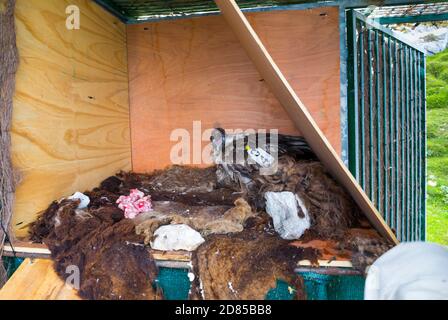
246,265
204,219
112,261
111,257
331,208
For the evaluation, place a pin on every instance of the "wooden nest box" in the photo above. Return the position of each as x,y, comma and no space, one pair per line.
105,97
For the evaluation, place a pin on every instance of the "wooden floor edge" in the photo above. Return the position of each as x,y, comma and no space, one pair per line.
168,259
41,251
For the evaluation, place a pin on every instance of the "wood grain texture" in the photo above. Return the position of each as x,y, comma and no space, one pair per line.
71,108
33,250
195,69
328,249
37,280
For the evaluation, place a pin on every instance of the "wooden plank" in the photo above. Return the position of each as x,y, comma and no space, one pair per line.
330,255
71,109
195,69
299,112
39,250
26,250
326,264
48,286
334,271
37,280
180,256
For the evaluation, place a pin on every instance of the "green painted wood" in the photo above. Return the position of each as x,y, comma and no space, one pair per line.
362,156
389,168
137,11
374,25
352,76
413,19
396,136
402,139
419,145
383,146
415,141
407,197
424,151
369,57
411,139
378,123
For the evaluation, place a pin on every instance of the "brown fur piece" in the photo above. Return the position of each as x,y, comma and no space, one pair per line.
232,220
204,219
245,266
184,179
241,247
366,246
148,227
112,260
191,186
100,197
331,209
111,184
179,179
41,228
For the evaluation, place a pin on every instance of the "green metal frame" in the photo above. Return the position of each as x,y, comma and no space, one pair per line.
131,11
137,11
109,6
413,19
386,123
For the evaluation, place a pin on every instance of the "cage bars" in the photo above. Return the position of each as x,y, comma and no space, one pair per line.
386,123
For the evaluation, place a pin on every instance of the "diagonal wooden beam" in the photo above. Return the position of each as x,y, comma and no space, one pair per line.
299,113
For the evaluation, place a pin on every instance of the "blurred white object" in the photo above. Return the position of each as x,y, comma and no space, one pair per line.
85,200
176,237
283,207
409,271
432,183
432,39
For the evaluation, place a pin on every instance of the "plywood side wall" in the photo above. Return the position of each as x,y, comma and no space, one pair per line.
195,69
71,108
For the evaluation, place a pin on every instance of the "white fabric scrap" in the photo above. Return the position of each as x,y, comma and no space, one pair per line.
409,271
176,237
85,200
283,207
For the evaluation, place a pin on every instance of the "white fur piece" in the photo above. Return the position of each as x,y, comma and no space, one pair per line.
283,208
176,237
85,200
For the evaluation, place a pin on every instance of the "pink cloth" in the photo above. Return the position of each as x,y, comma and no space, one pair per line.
134,204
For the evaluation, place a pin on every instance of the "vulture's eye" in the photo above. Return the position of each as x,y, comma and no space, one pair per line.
218,135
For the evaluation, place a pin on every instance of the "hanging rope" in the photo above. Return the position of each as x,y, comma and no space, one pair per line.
8,68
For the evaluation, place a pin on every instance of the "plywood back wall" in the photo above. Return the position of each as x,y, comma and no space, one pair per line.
71,108
194,69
